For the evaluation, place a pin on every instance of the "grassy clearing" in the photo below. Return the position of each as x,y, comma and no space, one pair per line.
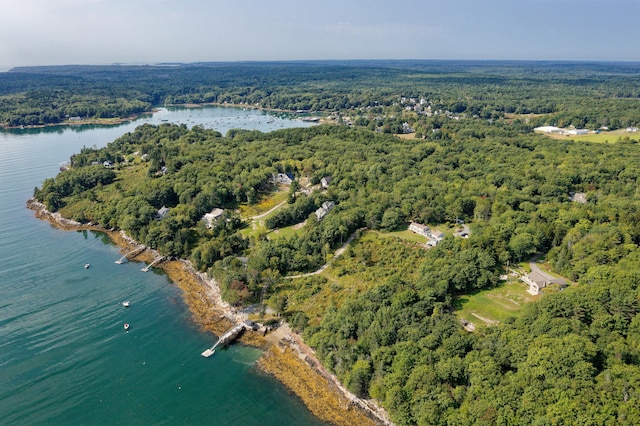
406,235
287,232
369,261
607,137
495,304
602,137
266,204
257,226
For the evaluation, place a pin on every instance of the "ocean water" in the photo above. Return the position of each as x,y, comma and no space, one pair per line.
65,357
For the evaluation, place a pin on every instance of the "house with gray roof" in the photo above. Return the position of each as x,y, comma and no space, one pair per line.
162,213
538,281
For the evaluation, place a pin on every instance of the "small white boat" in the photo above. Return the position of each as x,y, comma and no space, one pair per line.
126,326
86,266
125,303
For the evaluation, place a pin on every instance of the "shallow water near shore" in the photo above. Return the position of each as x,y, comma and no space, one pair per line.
65,357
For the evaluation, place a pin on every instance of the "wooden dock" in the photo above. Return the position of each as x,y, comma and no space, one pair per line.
225,339
155,262
136,251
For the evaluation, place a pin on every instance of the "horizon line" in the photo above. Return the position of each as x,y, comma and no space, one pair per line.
6,68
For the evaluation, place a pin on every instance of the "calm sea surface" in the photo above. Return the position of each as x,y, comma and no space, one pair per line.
64,355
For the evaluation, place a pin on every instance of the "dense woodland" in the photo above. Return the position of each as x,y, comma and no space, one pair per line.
561,94
387,326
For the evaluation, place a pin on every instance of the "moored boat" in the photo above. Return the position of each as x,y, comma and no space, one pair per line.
126,326
125,303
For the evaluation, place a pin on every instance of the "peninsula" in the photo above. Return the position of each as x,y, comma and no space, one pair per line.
445,223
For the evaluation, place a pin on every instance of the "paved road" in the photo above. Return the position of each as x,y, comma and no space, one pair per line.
537,269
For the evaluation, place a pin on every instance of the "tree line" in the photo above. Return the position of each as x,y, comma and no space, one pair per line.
561,94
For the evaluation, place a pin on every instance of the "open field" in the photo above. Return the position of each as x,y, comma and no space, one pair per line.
495,304
602,137
288,231
607,137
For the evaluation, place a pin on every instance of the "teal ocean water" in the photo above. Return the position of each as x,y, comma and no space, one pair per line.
64,355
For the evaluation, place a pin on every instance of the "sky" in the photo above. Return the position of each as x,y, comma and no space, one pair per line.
58,32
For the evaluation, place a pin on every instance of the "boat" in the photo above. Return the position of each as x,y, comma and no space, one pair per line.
86,266
125,303
126,326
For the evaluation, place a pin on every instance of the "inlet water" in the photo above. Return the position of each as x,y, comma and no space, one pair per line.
65,357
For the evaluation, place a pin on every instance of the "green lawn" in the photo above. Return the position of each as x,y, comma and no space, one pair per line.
597,137
257,227
606,137
288,231
495,304
404,233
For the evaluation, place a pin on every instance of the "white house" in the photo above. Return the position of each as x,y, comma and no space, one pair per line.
284,178
162,213
548,129
212,217
537,282
435,237
578,132
325,181
327,206
320,214
420,229
579,197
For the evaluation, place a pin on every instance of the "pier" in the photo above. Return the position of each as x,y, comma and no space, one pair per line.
225,339
133,253
155,262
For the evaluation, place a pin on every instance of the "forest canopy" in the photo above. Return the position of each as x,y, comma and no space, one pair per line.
397,340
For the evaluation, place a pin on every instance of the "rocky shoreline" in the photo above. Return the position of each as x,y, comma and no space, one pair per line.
286,357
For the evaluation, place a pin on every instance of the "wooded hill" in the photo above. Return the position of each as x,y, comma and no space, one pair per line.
388,330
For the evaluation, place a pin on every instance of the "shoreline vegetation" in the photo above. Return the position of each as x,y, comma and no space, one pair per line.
285,355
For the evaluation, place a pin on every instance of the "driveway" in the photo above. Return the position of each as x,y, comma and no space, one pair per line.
535,268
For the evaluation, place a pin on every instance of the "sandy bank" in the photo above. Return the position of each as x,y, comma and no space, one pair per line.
286,357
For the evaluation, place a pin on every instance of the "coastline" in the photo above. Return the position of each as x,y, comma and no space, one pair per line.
85,122
117,121
285,356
